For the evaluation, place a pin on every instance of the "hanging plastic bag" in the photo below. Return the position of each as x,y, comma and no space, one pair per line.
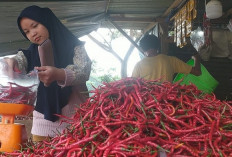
17,88
197,38
229,26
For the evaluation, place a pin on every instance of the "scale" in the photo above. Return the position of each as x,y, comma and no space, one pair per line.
12,135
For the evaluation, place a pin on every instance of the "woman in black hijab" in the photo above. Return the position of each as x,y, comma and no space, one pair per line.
62,85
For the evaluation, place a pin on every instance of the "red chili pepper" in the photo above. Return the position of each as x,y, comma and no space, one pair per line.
178,132
175,120
190,150
118,153
77,143
211,138
69,154
129,113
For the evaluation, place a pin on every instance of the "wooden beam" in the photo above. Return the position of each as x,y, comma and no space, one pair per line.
160,20
106,48
149,27
131,19
107,6
173,5
163,38
124,33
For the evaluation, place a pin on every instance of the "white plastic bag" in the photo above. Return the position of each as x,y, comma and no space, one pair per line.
197,38
229,26
21,88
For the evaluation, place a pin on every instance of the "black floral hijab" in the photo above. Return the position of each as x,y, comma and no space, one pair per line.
50,100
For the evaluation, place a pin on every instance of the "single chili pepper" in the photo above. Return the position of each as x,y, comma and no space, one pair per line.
176,120
218,116
132,101
226,133
118,153
69,153
215,143
160,131
138,93
229,144
126,100
190,150
115,133
207,116
136,102
179,145
107,144
145,139
157,146
211,136
129,138
61,153
132,153
106,129
122,122
77,143
94,132
60,142
193,140
177,132
173,109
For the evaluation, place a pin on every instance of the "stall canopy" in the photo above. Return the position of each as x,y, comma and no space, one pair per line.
84,16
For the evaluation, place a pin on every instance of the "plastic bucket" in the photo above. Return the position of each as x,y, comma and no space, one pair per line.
204,82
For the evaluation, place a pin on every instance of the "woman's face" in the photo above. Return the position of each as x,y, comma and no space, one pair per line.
35,31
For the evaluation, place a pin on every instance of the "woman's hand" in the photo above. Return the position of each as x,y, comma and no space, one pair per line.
48,74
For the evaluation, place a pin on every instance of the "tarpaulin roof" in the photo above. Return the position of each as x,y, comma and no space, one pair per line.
84,16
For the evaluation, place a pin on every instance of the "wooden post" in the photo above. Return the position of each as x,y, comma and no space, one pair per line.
164,37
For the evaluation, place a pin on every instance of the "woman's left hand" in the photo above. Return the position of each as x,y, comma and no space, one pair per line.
48,74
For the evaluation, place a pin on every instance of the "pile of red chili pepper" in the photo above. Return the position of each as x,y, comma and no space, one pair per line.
17,94
134,117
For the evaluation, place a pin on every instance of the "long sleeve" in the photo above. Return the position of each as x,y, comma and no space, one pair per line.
79,72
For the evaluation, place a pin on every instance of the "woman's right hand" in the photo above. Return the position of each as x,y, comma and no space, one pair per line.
48,74
12,66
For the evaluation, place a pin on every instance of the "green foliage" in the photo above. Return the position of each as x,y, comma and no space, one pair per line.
109,77
109,74
114,34
99,75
